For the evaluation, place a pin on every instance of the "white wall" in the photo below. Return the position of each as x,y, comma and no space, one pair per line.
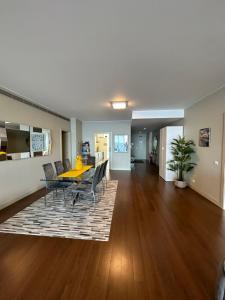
119,161
167,134
156,133
206,177
22,177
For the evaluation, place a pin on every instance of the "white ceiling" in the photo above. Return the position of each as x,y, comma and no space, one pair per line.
73,56
151,124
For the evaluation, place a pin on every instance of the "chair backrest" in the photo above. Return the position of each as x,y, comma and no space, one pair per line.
101,171
67,165
49,173
95,180
59,167
105,168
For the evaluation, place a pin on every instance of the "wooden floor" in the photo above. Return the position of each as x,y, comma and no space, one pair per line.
165,243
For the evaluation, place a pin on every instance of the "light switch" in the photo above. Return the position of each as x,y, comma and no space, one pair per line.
216,162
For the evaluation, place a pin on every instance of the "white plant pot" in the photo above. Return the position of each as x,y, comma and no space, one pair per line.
180,184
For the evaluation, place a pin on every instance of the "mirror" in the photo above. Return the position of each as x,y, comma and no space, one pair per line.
19,141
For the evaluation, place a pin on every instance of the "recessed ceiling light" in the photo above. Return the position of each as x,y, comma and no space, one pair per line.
119,104
144,128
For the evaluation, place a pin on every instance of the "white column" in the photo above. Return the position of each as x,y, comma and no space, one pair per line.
73,131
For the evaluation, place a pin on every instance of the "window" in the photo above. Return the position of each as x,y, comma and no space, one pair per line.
121,143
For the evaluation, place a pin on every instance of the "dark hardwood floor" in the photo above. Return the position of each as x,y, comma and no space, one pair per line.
165,243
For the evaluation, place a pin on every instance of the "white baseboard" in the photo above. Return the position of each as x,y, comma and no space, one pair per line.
205,195
11,201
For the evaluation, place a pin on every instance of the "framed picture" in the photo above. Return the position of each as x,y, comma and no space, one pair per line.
204,137
37,142
121,143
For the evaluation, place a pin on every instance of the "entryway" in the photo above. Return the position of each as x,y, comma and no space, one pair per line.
139,146
147,143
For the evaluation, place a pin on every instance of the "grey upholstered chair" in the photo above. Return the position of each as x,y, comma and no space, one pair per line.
220,291
88,188
51,182
101,173
59,167
104,173
67,164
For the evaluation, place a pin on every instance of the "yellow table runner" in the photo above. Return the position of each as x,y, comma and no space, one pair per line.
75,173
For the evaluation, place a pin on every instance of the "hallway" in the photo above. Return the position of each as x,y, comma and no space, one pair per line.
165,243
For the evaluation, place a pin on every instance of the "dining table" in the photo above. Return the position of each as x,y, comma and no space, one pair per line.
73,175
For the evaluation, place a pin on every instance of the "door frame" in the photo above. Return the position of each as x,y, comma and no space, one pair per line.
222,202
61,143
110,145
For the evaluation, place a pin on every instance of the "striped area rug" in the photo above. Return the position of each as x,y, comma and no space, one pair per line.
87,220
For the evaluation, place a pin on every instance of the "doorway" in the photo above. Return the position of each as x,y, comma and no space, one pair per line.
139,145
66,148
102,147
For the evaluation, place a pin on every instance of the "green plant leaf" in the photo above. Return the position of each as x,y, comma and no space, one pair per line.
182,150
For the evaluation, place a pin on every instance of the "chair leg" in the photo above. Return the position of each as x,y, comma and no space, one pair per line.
103,187
64,198
75,198
45,199
94,196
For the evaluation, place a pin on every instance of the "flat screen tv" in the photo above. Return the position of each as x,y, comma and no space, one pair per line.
18,141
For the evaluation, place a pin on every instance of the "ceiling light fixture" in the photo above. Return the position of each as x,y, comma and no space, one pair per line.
119,104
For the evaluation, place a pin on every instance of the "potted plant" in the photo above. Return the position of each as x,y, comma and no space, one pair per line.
181,150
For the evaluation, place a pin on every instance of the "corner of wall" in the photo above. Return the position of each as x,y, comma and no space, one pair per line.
205,195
